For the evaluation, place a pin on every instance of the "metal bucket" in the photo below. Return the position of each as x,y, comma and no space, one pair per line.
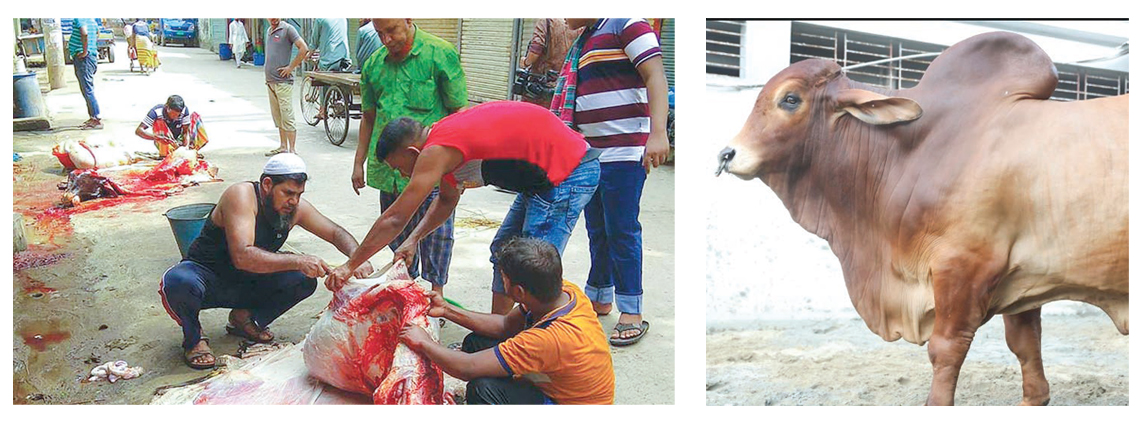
26,99
187,222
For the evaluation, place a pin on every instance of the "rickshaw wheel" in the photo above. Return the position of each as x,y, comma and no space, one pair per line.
337,115
310,99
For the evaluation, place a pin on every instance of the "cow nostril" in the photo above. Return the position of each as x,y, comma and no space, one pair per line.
725,157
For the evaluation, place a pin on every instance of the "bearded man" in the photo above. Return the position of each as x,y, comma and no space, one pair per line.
234,262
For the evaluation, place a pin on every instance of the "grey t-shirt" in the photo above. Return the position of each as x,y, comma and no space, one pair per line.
279,41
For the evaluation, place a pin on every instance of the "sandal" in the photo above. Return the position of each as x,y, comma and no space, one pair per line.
275,152
193,358
620,341
92,125
250,331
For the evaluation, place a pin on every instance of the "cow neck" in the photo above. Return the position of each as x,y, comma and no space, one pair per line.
846,195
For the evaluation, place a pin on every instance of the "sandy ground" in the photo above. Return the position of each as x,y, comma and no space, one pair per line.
96,301
840,362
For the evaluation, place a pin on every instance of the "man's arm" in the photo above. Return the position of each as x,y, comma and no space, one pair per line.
365,136
438,212
426,174
141,131
651,70
458,364
495,326
303,52
239,209
83,35
324,228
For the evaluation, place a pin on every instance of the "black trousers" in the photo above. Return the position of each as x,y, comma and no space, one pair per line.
190,287
498,390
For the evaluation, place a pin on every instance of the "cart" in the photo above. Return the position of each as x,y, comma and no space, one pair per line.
340,104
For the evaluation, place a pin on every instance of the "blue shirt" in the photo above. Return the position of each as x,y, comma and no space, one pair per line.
330,39
75,42
367,43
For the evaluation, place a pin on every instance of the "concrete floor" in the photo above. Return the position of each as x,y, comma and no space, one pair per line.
105,305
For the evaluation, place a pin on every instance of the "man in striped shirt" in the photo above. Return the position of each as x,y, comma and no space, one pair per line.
620,105
84,54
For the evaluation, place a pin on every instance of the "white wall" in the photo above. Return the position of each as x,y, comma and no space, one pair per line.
761,265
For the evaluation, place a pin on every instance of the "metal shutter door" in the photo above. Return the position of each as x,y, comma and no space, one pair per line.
667,45
444,28
486,54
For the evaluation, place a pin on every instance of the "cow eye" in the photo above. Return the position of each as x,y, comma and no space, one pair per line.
790,102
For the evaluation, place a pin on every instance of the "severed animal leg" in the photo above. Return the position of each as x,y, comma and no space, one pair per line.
1023,335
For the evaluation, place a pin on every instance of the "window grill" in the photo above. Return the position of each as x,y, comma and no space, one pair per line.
724,47
809,41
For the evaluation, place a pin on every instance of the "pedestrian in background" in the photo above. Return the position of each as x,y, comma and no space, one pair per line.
333,51
84,54
281,38
419,75
238,39
368,41
551,39
613,90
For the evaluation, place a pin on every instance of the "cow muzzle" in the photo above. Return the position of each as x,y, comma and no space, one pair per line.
725,157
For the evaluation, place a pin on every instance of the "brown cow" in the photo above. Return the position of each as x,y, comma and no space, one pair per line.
967,196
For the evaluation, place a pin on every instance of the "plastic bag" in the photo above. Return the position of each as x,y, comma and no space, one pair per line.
354,345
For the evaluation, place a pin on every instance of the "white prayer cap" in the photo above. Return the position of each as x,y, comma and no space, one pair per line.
284,163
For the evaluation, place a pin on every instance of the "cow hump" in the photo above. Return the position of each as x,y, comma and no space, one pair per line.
992,66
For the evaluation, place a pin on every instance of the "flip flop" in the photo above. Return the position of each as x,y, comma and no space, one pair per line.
623,327
234,330
190,356
275,152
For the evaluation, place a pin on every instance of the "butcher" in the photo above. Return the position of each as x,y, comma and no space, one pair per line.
514,145
548,350
968,196
235,262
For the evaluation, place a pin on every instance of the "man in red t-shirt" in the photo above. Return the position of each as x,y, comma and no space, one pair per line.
514,145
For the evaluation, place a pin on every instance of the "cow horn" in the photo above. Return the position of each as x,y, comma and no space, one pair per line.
878,109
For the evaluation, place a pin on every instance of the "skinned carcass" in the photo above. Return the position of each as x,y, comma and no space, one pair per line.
354,345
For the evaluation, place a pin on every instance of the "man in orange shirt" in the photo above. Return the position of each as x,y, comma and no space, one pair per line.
549,349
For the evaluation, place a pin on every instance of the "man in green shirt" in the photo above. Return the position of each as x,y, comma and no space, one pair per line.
419,75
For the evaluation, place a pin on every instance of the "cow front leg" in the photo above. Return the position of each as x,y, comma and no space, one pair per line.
1023,335
963,285
947,349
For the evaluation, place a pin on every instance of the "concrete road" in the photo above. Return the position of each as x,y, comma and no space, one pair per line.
104,305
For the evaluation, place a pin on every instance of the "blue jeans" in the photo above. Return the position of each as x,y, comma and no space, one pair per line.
85,74
615,237
435,251
550,215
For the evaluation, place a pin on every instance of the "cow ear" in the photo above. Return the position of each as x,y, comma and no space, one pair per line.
877,109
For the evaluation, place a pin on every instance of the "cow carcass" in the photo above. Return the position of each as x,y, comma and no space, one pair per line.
350,356
354,345
967,196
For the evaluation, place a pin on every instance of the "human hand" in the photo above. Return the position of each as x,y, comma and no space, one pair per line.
405,252
284,71
415,337
312,266
358,178
364,271
437,304
338,277
656,151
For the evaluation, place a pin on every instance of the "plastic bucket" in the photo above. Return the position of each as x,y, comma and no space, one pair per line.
26,99
224,52
186,223
259,59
